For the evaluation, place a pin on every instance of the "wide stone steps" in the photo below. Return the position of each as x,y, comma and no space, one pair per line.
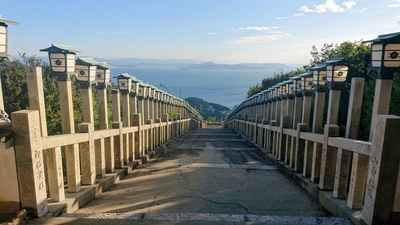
187,218
207,176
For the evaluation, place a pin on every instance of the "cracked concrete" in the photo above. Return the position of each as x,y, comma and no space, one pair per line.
182,180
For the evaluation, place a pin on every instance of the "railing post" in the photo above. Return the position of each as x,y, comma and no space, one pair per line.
126,122
136,121
285,123
29,161
87,155
118,145
150,135
100,144
383,171
298,159
317,126
68,127
328,158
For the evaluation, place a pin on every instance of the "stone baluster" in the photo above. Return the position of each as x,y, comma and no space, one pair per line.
316,128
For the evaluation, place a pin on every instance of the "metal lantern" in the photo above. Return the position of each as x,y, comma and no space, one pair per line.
135,85
278,91
272,94
124,82
336,72
319,74
307,83
297,85
4,38
85,70
385,57
142,90
289,88
62,60
103,73
150,90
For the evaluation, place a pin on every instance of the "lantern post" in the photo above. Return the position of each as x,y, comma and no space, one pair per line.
125,87
104,149
4,38
307,91
4,49
385,61
62,63
319,74
278,99
337,69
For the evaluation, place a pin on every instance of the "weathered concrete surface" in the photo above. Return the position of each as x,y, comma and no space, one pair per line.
203,176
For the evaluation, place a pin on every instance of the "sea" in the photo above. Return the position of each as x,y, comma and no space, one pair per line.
224,87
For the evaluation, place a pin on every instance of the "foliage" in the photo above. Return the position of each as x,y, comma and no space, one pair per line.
15,93
174,115
208,109
271,81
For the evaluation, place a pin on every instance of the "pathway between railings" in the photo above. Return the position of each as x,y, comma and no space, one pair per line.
207,176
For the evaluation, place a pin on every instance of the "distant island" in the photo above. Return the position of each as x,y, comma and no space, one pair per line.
208,109
187,64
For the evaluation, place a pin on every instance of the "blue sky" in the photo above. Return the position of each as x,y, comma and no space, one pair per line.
227,31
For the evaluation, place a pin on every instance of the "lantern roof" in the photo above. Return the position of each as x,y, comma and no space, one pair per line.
126,75
59,48
337,61
288,81
318,67
385,37
296,77
306,74
87,61
104,65
2,20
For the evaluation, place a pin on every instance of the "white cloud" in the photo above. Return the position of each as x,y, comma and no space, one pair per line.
328,6
349,4
255,28
394,5
259,39
298,14
362,10
212,33
305,8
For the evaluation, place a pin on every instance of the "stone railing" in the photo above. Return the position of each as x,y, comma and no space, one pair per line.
359,177
38,169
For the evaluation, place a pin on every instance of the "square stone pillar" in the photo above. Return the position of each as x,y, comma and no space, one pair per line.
383,171
30,162
87,155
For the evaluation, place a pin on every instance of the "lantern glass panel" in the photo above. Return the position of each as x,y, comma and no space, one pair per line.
322,78
277,91
135,87
124,84
392,55
57,62
307,83
100,74
340,74
71,61
297,85
329,73
376,55
3,39
289,88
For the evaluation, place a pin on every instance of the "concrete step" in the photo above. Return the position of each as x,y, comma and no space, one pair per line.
185,218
